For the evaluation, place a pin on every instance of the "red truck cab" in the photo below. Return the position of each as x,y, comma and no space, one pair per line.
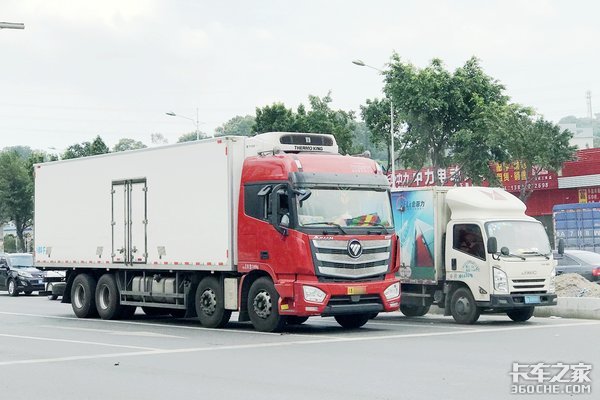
319,225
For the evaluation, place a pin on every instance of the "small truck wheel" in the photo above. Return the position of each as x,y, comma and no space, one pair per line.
463,307
520,314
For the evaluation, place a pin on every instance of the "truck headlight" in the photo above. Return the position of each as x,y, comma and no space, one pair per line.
24,274
392,291
313,294
500,280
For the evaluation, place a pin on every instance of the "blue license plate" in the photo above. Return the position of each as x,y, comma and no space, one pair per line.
532,300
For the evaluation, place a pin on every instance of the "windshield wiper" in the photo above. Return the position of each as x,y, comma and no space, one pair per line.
385,228
327,223
513,255
535,253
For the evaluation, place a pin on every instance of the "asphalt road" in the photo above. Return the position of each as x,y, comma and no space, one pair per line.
45,352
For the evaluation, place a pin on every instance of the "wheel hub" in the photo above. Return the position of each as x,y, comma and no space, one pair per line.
463,306
11,287
79,297
263,304
208,302
104,297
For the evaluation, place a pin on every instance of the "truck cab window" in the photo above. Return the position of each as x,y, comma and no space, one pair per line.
468,239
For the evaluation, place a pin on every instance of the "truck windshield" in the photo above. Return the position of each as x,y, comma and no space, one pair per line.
520,237
24,260
346,208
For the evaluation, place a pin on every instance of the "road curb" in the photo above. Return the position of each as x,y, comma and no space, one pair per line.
572,307
567,307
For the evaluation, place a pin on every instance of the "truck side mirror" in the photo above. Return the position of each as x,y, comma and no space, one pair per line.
561,246
492,245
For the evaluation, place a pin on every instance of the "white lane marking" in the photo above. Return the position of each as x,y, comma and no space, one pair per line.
199,328
292,343
75,341
117,333
397,323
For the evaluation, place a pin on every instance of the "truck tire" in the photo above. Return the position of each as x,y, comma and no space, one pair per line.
12,288
210,303
28,292
83,296
107,297
263,306
463,307
155,311
520,314
51,296
352,321
295,320
411,310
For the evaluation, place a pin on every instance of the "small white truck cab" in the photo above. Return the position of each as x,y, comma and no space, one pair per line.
471,250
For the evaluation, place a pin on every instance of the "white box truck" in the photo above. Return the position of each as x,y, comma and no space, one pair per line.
220,225
471,250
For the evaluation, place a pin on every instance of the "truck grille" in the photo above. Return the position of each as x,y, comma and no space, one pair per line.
535,285
332,258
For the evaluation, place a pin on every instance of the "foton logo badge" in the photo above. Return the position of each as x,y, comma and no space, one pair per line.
354,248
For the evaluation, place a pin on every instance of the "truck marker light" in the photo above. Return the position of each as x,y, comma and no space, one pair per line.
285,307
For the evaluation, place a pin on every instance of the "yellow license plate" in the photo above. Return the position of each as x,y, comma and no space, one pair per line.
357,290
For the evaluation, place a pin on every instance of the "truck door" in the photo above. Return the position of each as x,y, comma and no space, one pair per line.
466,261
129,221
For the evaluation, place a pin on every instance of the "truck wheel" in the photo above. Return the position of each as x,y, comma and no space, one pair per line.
51,296
263,306
12,288
155,311
463,307
520,314
83,296
210,303
107,297
411,310
352,321
294,320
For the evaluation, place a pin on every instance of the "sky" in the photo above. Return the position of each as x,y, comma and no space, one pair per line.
114,67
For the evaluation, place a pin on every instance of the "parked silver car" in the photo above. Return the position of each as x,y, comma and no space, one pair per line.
582,262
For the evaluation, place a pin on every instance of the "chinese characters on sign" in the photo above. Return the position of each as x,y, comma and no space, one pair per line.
513,177
548,378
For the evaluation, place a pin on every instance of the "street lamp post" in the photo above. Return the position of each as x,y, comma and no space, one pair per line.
360,63
195,121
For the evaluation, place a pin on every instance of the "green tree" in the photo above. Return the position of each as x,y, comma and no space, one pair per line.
238,125
537,145
10,244
125,144
440,110
320,118
158,139
190,137
86,149
16,193
376,114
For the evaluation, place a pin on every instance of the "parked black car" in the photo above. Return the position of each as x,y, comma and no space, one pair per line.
582,262
17,274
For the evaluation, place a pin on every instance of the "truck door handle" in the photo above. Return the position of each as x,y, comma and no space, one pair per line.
453,263
264,255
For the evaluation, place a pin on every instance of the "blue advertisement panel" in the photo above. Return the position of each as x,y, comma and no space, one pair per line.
414,220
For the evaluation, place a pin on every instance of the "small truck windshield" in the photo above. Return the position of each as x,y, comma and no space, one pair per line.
521,237
346,208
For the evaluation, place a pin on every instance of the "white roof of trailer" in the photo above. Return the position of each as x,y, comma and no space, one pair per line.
484,203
